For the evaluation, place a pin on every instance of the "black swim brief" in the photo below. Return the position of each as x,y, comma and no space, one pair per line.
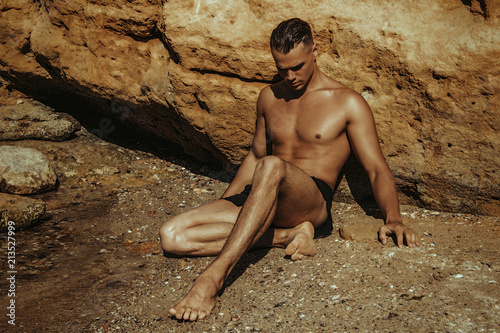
325,189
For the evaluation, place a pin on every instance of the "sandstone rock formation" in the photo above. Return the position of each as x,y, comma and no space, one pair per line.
23,211
33,120
25,171
190,72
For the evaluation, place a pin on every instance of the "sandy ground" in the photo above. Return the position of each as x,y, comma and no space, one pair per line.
94,263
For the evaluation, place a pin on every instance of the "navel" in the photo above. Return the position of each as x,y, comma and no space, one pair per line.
318,136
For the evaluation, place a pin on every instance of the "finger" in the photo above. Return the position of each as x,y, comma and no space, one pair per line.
400,239
382,235
410,240
415,240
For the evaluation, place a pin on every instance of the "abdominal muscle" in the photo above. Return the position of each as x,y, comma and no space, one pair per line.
322,162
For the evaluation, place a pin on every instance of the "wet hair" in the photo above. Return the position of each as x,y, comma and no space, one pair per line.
289,34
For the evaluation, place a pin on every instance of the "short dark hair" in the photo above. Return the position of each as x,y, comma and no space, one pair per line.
289,34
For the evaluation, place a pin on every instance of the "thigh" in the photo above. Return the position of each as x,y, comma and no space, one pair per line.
299,200
219,211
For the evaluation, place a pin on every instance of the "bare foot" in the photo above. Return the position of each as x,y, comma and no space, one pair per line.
302,243
199,301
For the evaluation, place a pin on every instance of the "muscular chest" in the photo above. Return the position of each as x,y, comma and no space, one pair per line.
290,124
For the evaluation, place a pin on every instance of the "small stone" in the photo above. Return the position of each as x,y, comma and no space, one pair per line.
363,231
25,171
23,211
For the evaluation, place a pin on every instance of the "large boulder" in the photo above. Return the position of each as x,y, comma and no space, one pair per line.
25,171
190,72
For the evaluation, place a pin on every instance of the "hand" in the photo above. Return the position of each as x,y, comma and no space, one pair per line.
401,231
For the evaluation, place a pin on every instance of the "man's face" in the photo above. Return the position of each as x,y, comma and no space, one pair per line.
297,66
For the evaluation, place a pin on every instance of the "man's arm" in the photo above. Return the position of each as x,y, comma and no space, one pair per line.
257,151
364,141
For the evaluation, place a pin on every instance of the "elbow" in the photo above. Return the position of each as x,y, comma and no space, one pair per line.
383,174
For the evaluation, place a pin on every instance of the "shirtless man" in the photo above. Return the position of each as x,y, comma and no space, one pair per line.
306,127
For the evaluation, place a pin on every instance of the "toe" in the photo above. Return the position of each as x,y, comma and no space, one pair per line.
194,315
291,249
202,315
179,312
187,314
298,256
172,311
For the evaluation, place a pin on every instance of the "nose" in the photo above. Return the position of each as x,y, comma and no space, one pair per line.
290,75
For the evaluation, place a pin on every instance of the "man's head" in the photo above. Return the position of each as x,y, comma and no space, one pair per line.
288,34
294,53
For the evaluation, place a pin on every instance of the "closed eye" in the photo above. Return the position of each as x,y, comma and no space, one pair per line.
293,69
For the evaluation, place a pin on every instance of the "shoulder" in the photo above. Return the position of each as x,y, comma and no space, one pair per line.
356,107
353,101
347,101
339,95
267,97
266,93
342,94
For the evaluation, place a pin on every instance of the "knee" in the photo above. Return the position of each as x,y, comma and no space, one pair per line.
271,166
172,236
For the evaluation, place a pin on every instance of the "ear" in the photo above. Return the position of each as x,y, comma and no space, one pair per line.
315,50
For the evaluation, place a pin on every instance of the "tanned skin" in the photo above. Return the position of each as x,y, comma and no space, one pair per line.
313,124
